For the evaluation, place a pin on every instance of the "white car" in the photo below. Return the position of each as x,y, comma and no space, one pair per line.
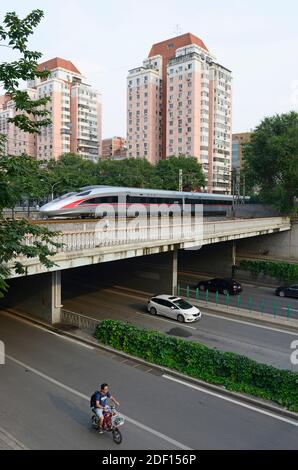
173,307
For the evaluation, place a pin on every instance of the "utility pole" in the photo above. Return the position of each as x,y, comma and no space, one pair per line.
180,180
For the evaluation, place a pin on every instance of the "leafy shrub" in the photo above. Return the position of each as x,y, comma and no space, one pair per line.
278,269
235,372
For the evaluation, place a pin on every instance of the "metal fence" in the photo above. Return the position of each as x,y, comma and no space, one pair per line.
82,322
250,304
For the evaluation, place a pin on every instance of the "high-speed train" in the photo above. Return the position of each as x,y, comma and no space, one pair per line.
89,201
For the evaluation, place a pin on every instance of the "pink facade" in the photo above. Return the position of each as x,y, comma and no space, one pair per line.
75,113
189,112
17,142
144,111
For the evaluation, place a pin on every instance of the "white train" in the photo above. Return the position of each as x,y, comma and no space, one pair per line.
89,200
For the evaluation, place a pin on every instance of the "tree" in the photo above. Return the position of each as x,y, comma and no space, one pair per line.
23,177
271,160
70,173
15,33
168,172
130,172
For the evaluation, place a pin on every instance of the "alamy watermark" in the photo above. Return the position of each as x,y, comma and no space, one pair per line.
294,355
2,353
134,221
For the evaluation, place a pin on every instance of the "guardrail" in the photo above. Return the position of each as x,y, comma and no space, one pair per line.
236,303
77,240
82,322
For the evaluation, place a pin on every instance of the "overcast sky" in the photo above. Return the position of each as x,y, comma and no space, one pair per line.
257,41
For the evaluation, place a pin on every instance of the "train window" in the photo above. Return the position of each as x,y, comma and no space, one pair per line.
85,193
64,196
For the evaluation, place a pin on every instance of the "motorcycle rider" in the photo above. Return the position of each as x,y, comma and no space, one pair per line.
101,400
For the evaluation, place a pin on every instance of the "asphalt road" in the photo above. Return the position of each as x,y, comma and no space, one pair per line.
47,380
253,297
262,343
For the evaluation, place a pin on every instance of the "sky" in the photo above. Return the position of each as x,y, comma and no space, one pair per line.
258,41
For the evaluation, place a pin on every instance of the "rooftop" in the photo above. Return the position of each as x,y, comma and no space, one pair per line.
57,62
175,43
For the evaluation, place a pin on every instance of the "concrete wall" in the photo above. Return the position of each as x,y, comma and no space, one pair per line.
255,210
218,260
283,246
210,259
39,296
153,273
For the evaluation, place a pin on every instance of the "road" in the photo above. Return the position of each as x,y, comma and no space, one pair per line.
254,297
262,343
47,380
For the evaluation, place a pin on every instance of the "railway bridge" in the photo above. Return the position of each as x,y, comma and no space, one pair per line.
85,243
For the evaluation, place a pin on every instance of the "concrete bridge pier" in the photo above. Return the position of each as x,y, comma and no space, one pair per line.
38,296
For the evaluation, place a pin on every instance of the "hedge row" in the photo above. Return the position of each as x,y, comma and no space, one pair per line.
235,372
278,269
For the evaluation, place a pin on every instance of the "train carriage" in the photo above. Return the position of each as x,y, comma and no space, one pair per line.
91,201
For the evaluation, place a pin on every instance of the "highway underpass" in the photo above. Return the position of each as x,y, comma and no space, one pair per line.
58,375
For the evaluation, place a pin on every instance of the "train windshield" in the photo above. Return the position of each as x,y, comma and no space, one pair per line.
64,196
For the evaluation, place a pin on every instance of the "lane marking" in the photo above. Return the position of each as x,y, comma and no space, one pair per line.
231,400
243,322
254,325
292,309
45,329
85,397
172,322
10,441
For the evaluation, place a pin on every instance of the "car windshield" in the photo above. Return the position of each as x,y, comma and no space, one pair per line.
182,304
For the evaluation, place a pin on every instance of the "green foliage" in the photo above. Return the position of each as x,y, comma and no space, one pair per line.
235,372
21,176
71,172
15,33
271,160
278,269
13,237
168,172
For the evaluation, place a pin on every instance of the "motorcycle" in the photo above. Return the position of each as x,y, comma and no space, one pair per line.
111,422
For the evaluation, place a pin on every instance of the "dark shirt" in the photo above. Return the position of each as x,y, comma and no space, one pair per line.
102,398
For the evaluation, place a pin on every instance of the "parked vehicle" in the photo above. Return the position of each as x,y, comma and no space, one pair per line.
173,307
222,286
287,291
111,423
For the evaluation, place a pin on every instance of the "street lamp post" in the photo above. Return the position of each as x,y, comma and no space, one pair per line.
52,189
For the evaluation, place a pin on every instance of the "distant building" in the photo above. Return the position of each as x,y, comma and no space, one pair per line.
237,150
17,141
179,103
75,112
115,147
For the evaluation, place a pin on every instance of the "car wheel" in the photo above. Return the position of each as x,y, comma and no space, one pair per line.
153,311
180,318
202,288
281,293
225,292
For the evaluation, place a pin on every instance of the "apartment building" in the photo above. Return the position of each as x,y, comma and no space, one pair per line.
74,110
189,110
17,141
238,140
114,148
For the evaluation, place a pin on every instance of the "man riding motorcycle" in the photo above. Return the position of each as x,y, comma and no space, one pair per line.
99,402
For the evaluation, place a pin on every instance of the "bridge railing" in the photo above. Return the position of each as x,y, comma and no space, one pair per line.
78,240
77,320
